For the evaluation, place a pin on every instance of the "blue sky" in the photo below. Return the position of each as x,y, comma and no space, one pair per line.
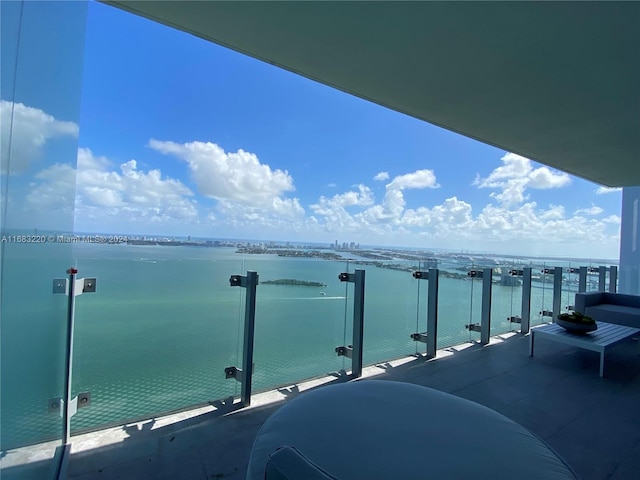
178,136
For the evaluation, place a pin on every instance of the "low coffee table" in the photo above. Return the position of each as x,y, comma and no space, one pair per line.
606,336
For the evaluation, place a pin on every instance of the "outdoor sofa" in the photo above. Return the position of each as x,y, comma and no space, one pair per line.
618,308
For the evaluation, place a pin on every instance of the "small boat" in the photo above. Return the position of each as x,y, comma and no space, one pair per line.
323,294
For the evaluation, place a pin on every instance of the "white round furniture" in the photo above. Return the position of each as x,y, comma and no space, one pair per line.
380,430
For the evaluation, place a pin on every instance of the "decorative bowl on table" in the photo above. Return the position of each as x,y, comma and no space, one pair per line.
576,322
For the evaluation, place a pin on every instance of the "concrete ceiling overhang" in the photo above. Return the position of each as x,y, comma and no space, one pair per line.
557,82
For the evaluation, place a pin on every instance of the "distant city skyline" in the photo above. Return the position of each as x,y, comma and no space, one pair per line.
179,136
115,238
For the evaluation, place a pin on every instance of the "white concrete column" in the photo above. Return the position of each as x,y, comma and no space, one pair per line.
629,273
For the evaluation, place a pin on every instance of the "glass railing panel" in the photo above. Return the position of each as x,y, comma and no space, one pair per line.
158,332
459,299
39,149
33,343
395,308
301,317
570,281
593,279
506,299
541,292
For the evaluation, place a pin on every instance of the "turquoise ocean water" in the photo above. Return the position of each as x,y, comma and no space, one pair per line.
164,323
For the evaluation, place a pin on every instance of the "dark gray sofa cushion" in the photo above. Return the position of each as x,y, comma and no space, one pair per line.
617,314
618,308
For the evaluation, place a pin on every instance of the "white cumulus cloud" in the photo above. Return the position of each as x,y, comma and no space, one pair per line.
26,130
417,179
393,203
605,190
441,219
382,176
333,215
334,211
513,224
281,215
232,176
613,219
363,197
516,175
593,210
54,190
124,196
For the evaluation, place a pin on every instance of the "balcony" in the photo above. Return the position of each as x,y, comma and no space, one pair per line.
164,369
182,419
590,422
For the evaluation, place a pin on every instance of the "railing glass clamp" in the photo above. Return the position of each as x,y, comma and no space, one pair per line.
515,319
473,327
345,351
84,399
419,337
238,281
347,277
55,405
421,275
232,372
82,285
88,285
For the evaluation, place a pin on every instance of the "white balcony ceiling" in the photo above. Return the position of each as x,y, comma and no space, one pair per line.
555,82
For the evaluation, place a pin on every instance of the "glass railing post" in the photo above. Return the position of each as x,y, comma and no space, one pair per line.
245,375
602,278
582,279
354,351
68,405
557,292
432,313
613,279
358,322
571,299
430,337
476,327
525,322
71,307
485,319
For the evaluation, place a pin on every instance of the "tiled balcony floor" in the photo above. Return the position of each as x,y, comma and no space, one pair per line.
592,422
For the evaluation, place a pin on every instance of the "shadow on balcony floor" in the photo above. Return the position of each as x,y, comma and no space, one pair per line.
592,422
